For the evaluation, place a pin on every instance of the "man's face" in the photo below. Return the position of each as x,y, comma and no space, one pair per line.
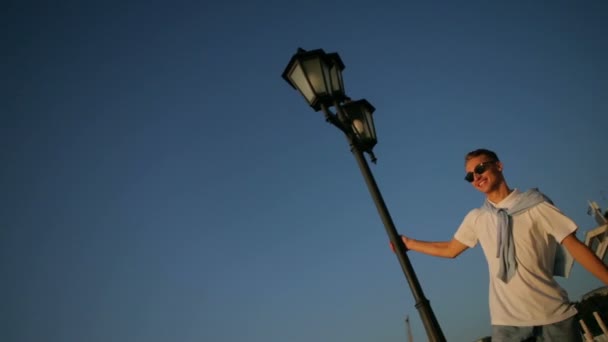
490,175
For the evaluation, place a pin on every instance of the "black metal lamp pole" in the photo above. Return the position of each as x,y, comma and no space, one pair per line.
318,77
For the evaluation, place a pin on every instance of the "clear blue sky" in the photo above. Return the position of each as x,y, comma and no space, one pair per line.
161,182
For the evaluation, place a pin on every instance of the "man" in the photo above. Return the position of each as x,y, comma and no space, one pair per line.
520,234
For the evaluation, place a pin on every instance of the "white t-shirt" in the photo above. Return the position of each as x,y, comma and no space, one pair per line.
532,297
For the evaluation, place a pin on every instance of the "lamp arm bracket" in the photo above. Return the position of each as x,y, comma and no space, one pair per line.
333,119
339,120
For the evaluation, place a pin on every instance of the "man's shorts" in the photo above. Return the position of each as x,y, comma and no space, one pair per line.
564,331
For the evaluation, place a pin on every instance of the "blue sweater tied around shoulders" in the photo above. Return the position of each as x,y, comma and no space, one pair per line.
505,245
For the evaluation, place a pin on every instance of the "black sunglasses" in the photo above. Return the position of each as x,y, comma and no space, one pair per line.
479,169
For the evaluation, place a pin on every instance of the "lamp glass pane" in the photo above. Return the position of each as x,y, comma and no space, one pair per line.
370,125
317,73
358,123
358,127
336,80
366,134
298,77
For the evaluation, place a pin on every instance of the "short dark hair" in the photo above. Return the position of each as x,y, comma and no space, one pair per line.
481,152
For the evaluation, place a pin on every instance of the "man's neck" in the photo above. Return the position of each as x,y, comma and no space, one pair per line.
495,196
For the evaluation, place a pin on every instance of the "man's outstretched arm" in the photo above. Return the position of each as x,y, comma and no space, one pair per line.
444,249
585,256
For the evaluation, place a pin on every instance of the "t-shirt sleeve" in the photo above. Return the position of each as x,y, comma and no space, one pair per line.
466,233
554,221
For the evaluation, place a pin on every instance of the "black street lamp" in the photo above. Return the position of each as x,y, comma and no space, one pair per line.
318,77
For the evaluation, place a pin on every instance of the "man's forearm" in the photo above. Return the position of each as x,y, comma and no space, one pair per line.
584,256
439,248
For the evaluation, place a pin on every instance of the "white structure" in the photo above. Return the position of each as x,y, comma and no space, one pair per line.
597,238
588,337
